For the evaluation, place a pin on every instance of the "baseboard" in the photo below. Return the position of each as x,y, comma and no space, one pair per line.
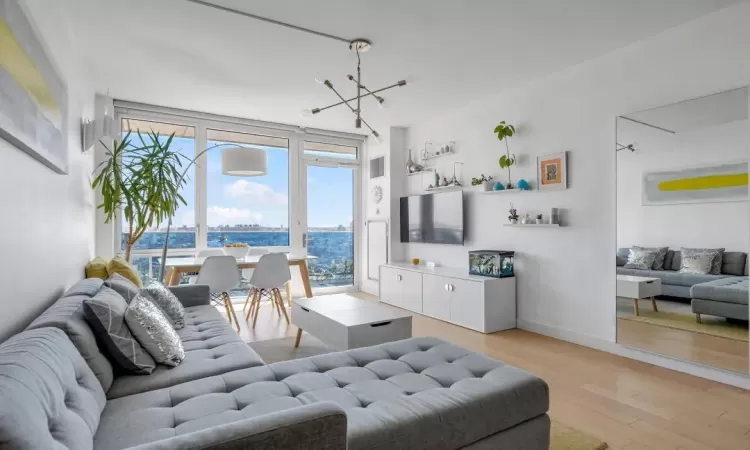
698,370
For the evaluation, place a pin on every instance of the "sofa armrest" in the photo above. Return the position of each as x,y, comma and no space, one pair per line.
318,426
192,294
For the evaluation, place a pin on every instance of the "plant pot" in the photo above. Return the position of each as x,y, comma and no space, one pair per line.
514,221
539,221
484,186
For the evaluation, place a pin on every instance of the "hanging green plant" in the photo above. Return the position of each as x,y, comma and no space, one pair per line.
505,131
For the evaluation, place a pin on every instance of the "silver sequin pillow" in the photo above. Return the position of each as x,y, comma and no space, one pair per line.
699,263
154,331
661,255
717,255
166,301
640,259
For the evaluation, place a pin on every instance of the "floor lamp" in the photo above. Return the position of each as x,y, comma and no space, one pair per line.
235,161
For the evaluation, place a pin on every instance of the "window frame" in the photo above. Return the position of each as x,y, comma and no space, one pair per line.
296,136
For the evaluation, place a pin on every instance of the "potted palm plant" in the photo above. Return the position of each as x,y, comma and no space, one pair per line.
142,180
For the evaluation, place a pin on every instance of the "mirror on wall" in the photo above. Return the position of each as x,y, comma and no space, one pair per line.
683,231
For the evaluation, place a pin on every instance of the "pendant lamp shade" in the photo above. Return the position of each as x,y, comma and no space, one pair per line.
244,162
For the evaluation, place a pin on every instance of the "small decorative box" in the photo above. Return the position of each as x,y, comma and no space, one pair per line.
491,263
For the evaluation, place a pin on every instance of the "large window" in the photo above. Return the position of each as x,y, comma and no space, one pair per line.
305,204
248,210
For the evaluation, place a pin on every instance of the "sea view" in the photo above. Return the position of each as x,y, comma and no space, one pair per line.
334,250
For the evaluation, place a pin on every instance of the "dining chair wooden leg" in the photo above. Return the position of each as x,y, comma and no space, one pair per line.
226,310
253,305
257,310
249,296
277,294
272,294
228,303
289,294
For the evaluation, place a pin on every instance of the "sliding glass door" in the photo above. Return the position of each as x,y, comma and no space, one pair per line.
331,178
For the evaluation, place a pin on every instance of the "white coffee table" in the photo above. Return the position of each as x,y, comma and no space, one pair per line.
345,322
630,286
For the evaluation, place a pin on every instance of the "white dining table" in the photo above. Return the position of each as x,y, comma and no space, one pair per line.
177,266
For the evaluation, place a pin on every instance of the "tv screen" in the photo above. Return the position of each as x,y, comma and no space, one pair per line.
433,218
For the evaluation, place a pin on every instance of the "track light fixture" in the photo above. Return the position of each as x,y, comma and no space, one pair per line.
358,46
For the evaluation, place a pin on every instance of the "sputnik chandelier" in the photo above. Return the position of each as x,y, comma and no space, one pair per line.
356,45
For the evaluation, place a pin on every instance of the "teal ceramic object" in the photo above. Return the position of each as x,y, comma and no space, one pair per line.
498,187
523,185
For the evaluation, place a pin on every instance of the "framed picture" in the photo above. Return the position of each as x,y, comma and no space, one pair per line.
552,171
713,183
33,97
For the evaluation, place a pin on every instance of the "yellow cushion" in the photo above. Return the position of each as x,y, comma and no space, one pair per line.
120,266
97,268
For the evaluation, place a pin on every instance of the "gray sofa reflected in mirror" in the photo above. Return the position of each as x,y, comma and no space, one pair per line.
724,295
60,391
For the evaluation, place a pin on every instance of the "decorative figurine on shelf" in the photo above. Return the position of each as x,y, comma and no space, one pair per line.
539,219
513,214
437,179
526,219
523,185
445,181
498,187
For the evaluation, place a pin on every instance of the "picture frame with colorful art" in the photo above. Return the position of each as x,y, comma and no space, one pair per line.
552,171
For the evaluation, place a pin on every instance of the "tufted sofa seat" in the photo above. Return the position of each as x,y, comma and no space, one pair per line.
418,393
211,347
727,297
59,391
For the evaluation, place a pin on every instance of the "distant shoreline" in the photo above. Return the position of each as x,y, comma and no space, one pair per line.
246,231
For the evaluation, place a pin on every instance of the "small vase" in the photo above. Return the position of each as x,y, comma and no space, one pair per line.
526,220
409,163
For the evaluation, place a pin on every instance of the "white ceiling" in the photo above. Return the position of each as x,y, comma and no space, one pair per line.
179,54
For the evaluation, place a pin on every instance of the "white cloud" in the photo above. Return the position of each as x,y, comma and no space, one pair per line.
218,215
254,193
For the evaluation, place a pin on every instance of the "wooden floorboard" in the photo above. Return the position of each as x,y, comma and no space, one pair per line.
629,404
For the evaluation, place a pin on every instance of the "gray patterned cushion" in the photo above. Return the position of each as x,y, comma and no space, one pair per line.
661,255
716,257
154,331
105,313
640,259
166,301
126,288
699,263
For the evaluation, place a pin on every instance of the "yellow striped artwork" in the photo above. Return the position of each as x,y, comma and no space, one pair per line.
705,182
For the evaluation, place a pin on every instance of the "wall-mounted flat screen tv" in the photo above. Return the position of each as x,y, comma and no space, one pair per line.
433,218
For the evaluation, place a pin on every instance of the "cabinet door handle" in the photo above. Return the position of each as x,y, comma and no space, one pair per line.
450,287
447,289
398,277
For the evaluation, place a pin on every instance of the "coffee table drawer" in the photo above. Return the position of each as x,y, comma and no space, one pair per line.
378,333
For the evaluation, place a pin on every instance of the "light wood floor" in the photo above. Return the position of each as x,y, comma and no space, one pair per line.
702,348
629,404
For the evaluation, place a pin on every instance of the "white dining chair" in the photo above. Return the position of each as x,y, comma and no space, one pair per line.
204,254
247,274
271,273
221,275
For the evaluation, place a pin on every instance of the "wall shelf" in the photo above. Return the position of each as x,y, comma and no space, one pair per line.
505,191
438,155
411,174
444,188
532,225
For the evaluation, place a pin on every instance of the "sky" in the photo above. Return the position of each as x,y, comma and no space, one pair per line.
265,200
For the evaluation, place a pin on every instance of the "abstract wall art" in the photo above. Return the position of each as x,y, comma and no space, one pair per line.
552,171
715,183
33,98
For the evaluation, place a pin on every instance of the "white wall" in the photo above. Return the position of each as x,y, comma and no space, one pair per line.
566,277
710,225
47,219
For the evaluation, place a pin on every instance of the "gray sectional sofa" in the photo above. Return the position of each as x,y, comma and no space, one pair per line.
59,390
724,295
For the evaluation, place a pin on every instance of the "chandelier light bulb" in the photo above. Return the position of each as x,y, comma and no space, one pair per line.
307,113
382,104
320,78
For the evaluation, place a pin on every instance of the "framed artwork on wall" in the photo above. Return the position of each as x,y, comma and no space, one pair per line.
552,171
706,184
33,97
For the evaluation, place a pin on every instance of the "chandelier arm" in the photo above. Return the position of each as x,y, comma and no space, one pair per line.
400,83
346,102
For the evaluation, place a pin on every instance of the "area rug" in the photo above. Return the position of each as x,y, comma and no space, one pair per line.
562,437
713,326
